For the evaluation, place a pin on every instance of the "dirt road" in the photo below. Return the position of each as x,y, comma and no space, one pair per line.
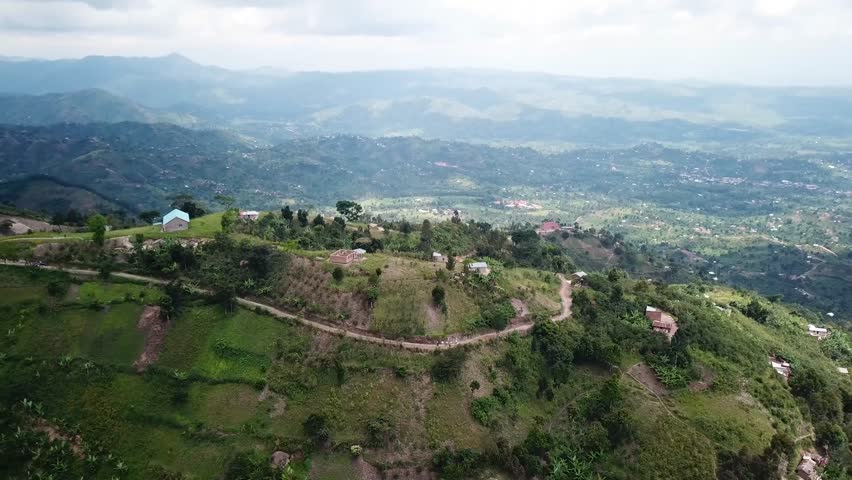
420,345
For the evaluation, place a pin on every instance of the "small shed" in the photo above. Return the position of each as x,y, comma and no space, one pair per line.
359,254
249,214
579,276
175,220
818,332
661,321
437,257
781,366
479,267
843,370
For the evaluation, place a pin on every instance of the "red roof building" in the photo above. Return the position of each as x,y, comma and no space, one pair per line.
549,227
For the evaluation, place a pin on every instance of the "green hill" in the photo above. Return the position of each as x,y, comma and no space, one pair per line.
202,388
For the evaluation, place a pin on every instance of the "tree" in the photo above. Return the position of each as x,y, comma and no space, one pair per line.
337,274
97,225
6,227
451,262
425,236
438,295
226,201
319,220
287,214
316,428
405,227
474,386
186,203
349,209
149,216
229,218
302,217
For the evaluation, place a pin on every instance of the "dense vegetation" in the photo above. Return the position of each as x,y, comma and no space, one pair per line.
565,402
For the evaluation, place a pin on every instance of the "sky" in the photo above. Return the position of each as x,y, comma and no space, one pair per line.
768,42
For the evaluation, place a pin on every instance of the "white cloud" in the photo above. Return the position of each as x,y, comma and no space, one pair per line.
754,41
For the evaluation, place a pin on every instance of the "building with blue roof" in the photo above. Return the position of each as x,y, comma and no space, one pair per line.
175,220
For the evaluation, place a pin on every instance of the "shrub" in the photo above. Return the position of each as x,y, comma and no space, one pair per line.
337,274
448,366
483,410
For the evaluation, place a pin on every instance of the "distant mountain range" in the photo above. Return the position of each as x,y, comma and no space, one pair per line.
83,106
471,105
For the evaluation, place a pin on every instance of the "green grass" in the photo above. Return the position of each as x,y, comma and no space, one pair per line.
12,295
103,292
400,309
109,335
196,342
448,420
338,466
728,421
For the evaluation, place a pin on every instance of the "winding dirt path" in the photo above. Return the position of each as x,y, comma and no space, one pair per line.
565,293
344,331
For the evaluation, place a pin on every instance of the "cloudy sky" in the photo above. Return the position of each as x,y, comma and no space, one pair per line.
743,41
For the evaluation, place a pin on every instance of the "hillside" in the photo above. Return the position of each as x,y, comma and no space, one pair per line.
714,207
113,368
86,106
490,106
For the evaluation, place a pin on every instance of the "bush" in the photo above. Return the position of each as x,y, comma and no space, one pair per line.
448,366
337,274
438,295
457,465
483,409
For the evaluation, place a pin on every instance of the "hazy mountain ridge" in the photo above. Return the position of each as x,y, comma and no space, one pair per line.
452,104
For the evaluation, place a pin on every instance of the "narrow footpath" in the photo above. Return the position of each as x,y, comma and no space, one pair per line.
361,335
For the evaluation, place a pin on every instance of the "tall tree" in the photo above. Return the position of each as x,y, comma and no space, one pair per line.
349,209
302,216
226,201
97,225
287,214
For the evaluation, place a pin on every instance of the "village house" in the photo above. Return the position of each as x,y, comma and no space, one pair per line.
843,370
479,267
807,468
661,321
249,214
437,257
345,257
579,277
781,366
817,332
549,227
175,220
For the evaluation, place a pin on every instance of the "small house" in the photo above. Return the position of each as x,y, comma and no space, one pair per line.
549,227
249,214
175,220
807,468
479,267
817,332
781,366
579,276
661,321
345,257
843,370
437,257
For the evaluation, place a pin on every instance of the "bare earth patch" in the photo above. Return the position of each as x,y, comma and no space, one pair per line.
278,403
53,434
433,318
704,383
150,320
365,470
521,310
643,374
